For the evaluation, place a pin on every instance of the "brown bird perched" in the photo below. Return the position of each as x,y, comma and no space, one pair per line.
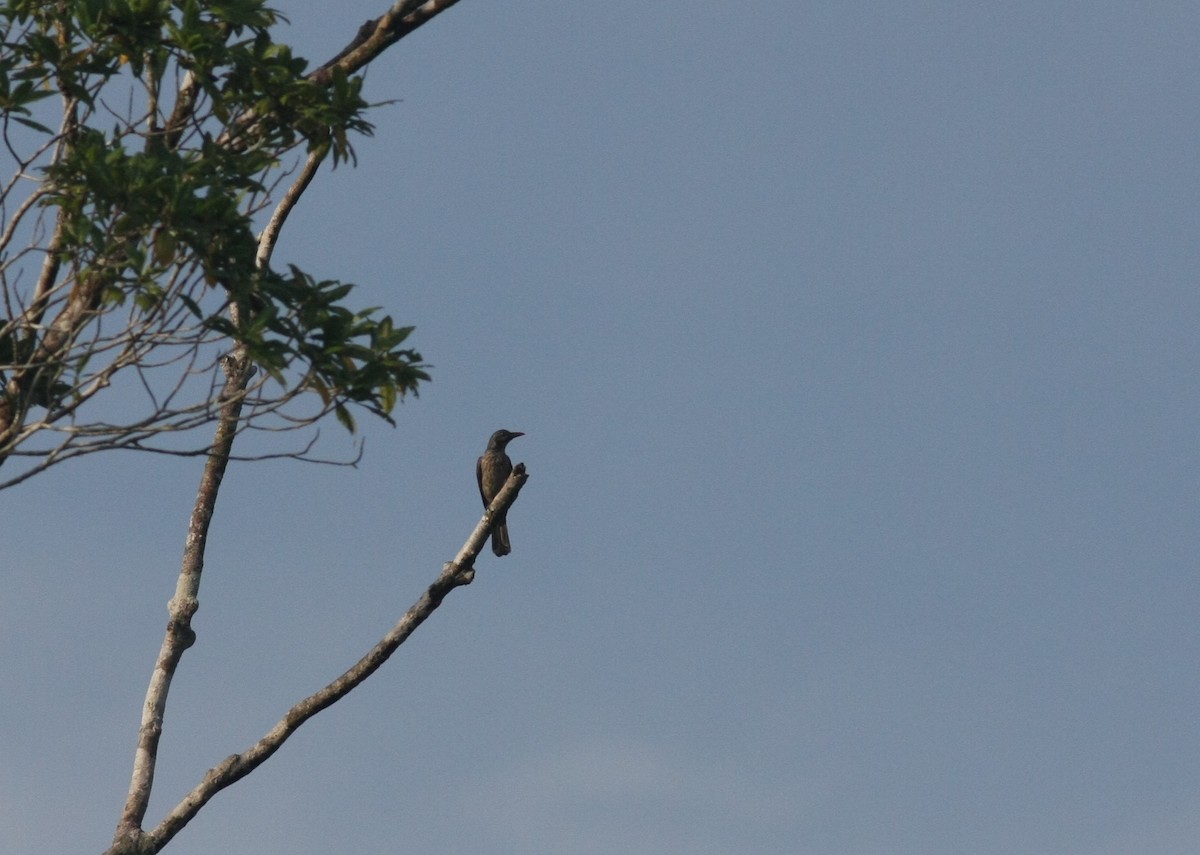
491,471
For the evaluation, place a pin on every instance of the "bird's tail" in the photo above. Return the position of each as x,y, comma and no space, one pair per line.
500,544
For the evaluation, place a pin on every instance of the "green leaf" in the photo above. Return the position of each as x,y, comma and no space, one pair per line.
30,123
343,416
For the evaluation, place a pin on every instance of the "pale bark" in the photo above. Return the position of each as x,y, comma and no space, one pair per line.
130,838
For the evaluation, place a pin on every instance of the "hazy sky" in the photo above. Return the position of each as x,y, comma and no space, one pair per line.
856,347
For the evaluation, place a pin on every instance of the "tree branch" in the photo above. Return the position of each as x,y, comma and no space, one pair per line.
376,36
270,234
180,635
460,571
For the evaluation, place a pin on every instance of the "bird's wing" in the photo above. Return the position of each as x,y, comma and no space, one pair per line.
479,480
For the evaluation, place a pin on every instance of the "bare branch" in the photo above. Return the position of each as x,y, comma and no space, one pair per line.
270,234
180,635
374,37
460,571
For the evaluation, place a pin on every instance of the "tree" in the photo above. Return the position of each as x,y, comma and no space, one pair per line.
136,236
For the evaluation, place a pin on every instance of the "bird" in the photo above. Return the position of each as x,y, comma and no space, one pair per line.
491,471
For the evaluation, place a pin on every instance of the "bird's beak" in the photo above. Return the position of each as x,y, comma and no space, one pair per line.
517,433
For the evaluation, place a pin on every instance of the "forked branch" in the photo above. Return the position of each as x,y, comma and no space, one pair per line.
180,635
460,571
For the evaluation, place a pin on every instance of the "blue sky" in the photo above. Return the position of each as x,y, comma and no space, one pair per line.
856,349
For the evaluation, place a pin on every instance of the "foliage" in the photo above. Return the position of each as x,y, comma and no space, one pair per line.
128,232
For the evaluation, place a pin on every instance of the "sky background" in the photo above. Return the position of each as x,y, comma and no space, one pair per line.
856,347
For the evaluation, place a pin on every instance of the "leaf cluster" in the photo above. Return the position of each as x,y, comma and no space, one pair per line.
155,205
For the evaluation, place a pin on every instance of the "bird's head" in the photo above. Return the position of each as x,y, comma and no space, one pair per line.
502,438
